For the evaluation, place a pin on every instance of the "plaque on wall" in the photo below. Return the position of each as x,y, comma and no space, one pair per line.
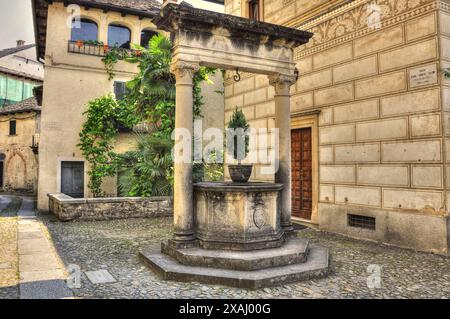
423,76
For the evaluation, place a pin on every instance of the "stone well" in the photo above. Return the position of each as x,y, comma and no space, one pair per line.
233,234
238,216
239,241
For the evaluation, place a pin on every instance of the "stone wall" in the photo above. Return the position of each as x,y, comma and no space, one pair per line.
380,136
66,208
20,164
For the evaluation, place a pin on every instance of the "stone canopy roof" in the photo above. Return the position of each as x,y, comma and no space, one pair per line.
140,8
28,105
174,16
15,50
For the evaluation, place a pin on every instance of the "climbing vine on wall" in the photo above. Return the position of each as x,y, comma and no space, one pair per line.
97,137
447,73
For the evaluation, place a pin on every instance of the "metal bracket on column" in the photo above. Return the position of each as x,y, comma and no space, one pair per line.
237,76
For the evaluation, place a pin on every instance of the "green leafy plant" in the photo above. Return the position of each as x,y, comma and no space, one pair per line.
447,73
238,122
214,168
93,42
147,171
151,99
153,89
110,60
98,134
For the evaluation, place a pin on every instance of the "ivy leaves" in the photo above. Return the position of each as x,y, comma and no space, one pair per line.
98,134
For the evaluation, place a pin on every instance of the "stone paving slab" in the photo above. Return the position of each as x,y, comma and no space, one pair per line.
29,234
100,277
27,210
37,262
31,276
41,275
33,245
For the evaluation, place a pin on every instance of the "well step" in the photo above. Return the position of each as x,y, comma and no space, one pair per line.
294,251
316,266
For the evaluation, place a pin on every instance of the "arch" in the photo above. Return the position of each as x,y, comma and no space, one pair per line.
146,35
16,168
119,36
87,31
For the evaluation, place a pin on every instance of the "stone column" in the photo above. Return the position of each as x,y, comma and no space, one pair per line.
282,84
183,190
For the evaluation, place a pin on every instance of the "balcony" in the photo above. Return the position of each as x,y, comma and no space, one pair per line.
95,48
35,143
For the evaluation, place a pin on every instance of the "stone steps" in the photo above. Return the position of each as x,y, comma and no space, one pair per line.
316,266
294,251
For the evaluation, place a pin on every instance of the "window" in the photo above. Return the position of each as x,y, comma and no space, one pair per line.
87,30
119,36
254,10
120,90
146,35
12,127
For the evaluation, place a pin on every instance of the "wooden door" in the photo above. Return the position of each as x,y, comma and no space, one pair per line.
302,173
72,179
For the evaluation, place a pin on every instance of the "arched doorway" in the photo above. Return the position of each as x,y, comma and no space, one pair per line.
16,172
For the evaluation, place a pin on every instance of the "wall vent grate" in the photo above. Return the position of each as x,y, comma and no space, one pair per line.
362,222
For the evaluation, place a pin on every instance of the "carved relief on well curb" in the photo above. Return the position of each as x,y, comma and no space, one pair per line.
259,216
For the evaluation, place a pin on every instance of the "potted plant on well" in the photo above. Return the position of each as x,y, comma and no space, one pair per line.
237,134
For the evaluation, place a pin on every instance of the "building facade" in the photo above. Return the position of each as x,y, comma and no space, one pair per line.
75,74
370,138
19,146
20,72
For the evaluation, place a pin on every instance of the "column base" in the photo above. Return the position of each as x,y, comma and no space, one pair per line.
180,241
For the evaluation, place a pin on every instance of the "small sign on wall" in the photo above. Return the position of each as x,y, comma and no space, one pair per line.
423,76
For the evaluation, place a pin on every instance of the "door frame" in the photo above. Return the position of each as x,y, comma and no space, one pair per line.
2,177
311,121
58,172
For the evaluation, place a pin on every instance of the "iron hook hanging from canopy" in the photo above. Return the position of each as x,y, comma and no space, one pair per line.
237,76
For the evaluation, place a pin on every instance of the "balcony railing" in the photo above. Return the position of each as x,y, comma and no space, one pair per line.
96,49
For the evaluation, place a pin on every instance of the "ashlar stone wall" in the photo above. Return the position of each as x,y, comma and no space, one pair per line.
382,102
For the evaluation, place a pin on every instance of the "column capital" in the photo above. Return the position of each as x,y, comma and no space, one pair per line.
184,71
282,82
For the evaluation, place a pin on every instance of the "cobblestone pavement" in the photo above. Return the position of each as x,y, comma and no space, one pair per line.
9,276
114,246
